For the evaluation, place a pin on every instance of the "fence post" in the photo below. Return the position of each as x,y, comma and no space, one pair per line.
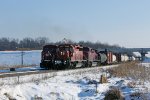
18,79
96,88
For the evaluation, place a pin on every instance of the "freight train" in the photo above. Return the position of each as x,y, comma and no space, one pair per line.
69,56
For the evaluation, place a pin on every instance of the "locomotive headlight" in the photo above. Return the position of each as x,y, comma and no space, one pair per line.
46,54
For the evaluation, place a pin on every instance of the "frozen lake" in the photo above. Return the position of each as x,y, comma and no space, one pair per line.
11,58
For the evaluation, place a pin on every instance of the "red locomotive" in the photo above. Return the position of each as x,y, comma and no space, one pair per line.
67,56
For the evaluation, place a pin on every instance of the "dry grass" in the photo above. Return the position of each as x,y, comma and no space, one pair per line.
132,70
9,96
131,84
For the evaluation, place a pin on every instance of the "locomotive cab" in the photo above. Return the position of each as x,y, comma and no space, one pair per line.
65,52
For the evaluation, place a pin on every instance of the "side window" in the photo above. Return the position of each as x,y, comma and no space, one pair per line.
66,49
93,51
80,49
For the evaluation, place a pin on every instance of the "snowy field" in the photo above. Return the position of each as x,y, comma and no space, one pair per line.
65,85
69,85
14,58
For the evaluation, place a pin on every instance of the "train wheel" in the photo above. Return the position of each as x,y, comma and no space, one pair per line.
90,64
86,64
70,66
98,64
75,64
83,64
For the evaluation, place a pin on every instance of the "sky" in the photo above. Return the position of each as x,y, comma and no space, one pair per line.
122,22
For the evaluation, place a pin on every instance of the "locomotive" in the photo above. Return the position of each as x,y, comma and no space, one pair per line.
68,56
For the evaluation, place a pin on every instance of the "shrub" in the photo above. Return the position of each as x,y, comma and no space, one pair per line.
113,94
132,70
131,84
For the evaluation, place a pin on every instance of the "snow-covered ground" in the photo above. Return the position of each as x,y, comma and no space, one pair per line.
12,58
68,85
65,85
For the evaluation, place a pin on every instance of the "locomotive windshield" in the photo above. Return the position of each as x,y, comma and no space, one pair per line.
65,48
85,49
49,49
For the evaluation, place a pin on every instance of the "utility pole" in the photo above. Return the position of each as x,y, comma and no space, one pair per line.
22,53
22,57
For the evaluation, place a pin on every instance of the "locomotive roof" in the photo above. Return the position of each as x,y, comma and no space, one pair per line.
69,45
49,46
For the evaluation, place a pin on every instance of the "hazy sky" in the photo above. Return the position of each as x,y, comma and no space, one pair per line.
123,22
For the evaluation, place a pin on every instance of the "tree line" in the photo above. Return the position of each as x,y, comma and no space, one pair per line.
38,43
26,43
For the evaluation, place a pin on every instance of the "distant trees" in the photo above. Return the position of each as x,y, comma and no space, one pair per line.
26,43
38,43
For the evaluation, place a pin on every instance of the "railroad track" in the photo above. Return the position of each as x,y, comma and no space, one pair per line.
22,73
42,71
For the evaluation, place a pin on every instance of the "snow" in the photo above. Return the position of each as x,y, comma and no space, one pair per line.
146,62
66,85
62,86
77,84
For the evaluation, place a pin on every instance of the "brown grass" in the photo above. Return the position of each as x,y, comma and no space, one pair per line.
131,84
132,70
